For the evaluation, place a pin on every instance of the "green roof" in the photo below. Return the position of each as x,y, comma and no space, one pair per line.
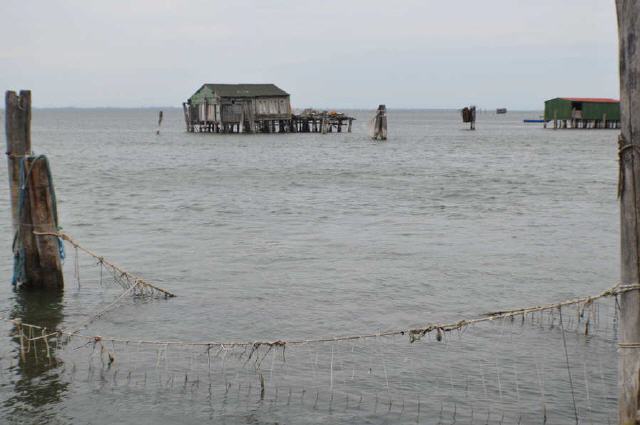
246,90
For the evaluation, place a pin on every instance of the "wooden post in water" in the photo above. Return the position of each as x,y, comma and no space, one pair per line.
160,115
378,124
187,120
18,131
43,266
33,206
629,191
473,118
469,115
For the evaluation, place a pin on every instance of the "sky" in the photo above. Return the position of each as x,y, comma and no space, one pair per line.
332,53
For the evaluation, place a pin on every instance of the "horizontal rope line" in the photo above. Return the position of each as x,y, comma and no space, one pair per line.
629,345
413,333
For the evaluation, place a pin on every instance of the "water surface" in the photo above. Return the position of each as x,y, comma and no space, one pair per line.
302,235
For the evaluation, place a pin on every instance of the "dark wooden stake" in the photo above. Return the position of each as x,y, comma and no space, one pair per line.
378,130
43,267
18,130
42,263
629,333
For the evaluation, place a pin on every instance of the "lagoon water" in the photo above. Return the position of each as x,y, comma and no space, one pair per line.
303,235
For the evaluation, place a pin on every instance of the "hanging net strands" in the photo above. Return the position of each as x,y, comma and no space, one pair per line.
126,279
414,334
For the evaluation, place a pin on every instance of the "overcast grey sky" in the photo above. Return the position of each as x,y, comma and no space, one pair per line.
329,53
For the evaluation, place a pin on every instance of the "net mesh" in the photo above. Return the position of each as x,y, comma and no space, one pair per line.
550,364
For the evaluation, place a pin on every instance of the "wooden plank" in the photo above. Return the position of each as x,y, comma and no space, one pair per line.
629,332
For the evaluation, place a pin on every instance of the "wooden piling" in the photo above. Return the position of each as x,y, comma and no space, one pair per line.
18,131
43,266
187,118
469,116
629,331
378,124
33,206
472,125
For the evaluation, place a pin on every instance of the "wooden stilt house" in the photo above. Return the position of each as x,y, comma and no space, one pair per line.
236,108
582,112
254,108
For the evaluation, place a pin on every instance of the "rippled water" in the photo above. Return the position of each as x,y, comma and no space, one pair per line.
293,236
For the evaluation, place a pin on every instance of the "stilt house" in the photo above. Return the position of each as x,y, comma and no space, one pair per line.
235,108
581,112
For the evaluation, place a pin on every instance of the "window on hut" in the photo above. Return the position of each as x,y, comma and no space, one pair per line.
576,110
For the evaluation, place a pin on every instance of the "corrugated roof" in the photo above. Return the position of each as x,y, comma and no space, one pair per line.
591,99
246,90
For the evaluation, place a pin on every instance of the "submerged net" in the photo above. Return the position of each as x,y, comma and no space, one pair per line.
544,364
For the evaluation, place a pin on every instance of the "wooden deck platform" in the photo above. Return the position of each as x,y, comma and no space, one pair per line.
309,121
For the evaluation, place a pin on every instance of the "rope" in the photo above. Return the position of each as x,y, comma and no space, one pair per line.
623,147
13,155
629,345
88,321
414,334
106,309
566,356
137,281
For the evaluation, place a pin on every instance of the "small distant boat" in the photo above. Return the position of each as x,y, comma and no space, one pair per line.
501,111
530,121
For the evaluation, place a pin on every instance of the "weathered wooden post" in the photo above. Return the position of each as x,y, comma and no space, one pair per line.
469,115
187,120
33,203
160,115
18,131
378,124
629,191
323,123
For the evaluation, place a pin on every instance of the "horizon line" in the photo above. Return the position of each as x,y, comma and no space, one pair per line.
399,108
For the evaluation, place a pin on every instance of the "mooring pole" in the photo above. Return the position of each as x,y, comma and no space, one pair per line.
18,131
473,118
33,203
629,191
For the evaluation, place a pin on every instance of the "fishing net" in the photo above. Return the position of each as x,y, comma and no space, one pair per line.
542,364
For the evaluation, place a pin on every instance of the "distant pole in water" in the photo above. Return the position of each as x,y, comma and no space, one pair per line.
159,123
378,124
469,115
